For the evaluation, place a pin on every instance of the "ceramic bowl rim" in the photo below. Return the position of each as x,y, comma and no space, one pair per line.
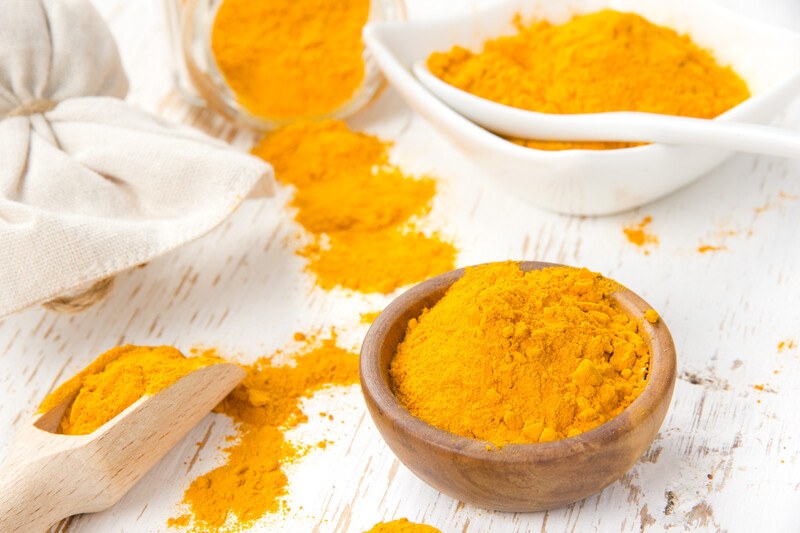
372,34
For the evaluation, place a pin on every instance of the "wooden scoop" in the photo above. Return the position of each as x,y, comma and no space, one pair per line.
516,477
49,476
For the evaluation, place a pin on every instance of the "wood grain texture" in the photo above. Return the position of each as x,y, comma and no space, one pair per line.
726,459
516,477
49,476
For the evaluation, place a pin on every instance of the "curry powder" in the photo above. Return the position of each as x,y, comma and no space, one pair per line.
508,356
603,61
251,482
288,59
117,379
361,211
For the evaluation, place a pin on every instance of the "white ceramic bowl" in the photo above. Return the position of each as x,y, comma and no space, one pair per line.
594,182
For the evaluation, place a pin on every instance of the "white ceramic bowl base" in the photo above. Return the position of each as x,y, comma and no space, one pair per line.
594,182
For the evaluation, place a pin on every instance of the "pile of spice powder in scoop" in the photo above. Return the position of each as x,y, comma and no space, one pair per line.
116,380
359,208
604,61
288,59
251,482
508,356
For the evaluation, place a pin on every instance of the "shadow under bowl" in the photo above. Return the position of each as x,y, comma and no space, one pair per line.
516,477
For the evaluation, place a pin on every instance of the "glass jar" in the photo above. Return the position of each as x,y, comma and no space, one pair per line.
200,81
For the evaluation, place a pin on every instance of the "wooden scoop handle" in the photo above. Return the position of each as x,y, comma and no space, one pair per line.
49,476
33,494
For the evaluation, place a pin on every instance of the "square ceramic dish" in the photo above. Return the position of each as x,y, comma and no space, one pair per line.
594,182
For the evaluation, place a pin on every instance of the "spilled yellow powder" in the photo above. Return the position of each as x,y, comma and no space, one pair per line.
402,525
508,356
359,209
369,318
778,203
651,315
288,59
787,344
638,234
378,261
251,482
706,248
116,380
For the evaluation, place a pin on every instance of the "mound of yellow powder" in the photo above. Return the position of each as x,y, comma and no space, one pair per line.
288,59
604,61
251,482
402,525
520,357
361,211
117,379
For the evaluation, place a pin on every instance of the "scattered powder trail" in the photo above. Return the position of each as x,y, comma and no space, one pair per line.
361,211
251,482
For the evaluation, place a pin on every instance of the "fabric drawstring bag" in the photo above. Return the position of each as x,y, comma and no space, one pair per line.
89,185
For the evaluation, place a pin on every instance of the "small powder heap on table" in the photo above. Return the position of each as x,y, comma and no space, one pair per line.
508,356
251,482
402,525
288,59
787,344
604,61
359,208
706,248
116,380
639,235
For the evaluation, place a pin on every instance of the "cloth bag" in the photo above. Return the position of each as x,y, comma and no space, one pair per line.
89,185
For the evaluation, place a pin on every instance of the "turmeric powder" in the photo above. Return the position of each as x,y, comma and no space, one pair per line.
403,525
251,482
288,59
358,207
369,317
554,146
639,234
604,61
115,380
508,356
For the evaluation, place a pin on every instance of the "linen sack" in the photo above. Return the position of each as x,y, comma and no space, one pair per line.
89,185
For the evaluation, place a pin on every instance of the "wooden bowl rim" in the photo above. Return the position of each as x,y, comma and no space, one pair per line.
661,379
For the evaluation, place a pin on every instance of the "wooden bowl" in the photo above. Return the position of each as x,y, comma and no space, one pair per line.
517,477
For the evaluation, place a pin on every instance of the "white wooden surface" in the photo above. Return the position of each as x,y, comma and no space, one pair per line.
726,459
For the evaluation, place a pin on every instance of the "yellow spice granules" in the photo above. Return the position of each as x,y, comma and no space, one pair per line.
603,61
359,208
369,317
251,481
706,248
402,525
639,235
117,379
288,59
555,146
787,344
509,356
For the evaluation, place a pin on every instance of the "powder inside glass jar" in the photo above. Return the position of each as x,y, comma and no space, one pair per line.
288,59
